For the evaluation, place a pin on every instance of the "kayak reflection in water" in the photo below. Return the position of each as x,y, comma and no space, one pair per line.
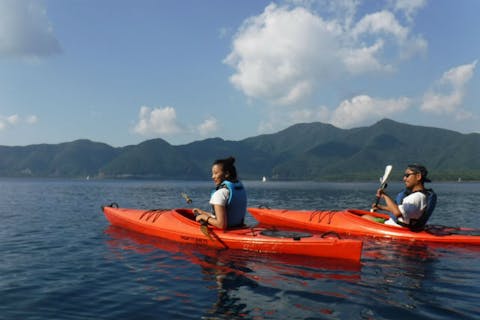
412,207
228,200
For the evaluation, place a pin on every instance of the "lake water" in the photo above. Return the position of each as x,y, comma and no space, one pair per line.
60,259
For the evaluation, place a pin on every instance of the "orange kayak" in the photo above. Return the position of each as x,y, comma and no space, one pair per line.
179,225
350,222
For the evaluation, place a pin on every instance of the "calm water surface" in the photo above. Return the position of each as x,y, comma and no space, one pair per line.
60,259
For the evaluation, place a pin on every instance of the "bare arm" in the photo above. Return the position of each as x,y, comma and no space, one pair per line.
390,204
220,221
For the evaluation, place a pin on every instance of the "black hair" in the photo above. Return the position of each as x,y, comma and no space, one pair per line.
228,168
418,168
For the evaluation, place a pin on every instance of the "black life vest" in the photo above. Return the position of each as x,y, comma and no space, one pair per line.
418,224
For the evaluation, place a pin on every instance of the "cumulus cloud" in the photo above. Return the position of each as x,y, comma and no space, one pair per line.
364,59
163,122
157,121
16,120
287,53
448,93
359,110
409,7
208,126
380,22
279,54
25,30
445,98
364,108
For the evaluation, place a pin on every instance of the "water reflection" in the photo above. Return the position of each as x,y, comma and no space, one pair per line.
239,284
399,276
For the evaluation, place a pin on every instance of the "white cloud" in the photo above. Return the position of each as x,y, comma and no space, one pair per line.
25,30
279,54
381,26
208,126
16,120
364,59
285,54
32,119
344,10
409,7
378,23
363,108
13,119
157,121
448,93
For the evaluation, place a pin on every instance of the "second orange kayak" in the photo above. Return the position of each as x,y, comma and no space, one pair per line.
350,222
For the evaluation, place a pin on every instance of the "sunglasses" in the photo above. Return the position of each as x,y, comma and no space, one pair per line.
406,175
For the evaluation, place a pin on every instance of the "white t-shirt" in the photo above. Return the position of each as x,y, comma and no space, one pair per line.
220,197
412,207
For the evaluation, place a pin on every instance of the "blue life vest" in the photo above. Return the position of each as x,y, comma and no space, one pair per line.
417,224
236,204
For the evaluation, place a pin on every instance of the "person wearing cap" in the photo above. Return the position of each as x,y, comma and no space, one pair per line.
411,204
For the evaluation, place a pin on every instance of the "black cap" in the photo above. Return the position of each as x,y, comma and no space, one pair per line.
418,168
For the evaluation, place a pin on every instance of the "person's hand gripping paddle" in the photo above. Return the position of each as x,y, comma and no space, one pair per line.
203,224
383,182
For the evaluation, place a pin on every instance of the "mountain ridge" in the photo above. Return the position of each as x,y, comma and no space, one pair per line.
304,151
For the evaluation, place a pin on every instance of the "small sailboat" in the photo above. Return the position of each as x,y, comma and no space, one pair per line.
264,179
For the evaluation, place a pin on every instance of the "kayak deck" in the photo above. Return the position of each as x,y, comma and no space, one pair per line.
179,225
350,222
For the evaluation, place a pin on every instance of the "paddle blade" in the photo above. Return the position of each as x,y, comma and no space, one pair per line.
186,197
204,229
383,182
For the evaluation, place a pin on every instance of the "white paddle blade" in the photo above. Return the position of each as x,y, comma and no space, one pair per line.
388,170
383,182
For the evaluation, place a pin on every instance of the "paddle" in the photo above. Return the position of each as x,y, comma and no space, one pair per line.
203,223
383,182
186,197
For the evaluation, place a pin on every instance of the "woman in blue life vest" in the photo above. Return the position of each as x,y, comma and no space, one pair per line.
410,210
228,200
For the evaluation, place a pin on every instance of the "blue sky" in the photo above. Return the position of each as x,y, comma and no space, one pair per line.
124,71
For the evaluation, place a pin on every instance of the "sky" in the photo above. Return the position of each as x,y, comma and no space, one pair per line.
125,71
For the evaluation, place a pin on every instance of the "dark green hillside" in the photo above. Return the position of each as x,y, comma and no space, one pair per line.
73,159
81,158
25,161
308,151
296,139
153,159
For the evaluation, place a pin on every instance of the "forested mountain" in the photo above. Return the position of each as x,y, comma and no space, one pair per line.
309,151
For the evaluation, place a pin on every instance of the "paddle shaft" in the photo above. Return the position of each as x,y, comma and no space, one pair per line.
383,183
377,199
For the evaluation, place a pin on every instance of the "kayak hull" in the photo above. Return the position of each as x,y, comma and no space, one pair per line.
350,222
179,225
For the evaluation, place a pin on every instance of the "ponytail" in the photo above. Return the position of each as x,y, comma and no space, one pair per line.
228,166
